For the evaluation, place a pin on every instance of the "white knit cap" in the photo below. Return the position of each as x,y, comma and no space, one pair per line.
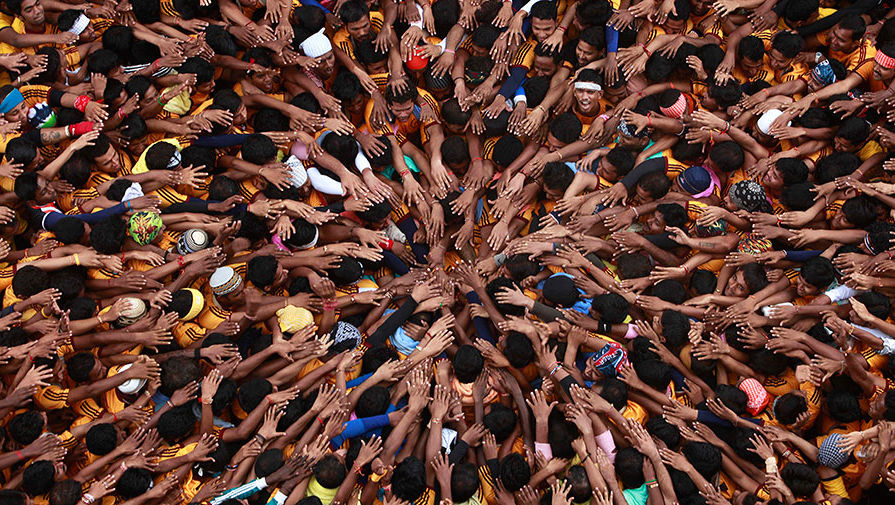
224,280
766,119
130,386
316,45
297,171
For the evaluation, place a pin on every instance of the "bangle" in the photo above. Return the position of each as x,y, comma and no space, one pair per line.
197,354
726,128
648,53
169,404
159,101
686,269
636,214
20,455
561,28
232,467
77,260
449,51
127,204
99,320
206,402
555,369
653,481
88,498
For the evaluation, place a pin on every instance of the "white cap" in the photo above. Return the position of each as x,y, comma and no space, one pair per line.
316,45
224,280
766,119
130,386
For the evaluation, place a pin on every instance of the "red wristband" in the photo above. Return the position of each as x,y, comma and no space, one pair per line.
81,102
387,243
80,128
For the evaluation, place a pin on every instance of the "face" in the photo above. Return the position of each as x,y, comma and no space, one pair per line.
544,66
360,29
736,286
805,289
137,146
842,145
675,26
772,179
750,67
554,144
401,110
326,64
33,12
356,106
266,81
231,299
379,67
841,40
108,162
588,100
475,50
655,223
148,98
18,114
839,222
777,61
553,194
700,7
585,52
241,116
45,192
615,95
881,73
542,28
607,170
98,371
641,196
88,35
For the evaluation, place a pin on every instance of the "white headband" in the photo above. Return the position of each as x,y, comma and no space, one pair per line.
175,160
79,25
592,86
313,242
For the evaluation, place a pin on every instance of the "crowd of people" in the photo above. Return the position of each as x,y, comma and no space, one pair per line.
469,252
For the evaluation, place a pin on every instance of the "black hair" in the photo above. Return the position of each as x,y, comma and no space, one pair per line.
727,156
464,482
536,90
119,39
629,467
518,350
800,478
251,393
565,128
819,272
800,196
409,479
497,285
134,481
38,477
656,184
557,176
177,373
101,439
79,365
612,307
792,170
788,407
500,421
751,47
655,373
26,427
506,150
29,280
262,271
789,44
615,392
102,61
514,472
860,211
258,149
176,423
108,235
21,150
668,433
854,130
468,363
65,492
203,70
